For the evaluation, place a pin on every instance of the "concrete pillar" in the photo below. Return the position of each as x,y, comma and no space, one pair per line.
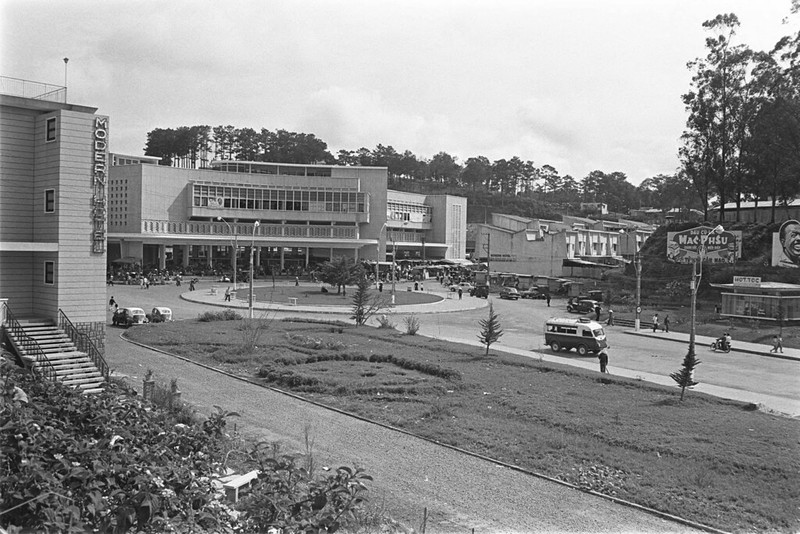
209,259
186,250
162,257
282,258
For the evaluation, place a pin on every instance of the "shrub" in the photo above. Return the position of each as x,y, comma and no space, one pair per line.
224,315
384,322
412,325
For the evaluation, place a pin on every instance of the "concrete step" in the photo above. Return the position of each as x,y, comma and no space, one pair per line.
84,380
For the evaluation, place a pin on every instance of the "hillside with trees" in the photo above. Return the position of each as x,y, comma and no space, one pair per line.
741,143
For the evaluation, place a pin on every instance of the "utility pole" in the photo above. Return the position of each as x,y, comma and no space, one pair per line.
638,265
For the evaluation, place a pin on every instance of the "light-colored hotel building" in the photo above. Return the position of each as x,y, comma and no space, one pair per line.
166,217
53,174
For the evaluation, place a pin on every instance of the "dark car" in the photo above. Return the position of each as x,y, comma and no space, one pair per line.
509,293
479,291
533,292
582,306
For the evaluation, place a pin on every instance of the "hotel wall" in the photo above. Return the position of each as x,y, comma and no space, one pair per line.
29,237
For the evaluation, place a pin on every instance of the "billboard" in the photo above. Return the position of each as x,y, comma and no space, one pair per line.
786,245
684,247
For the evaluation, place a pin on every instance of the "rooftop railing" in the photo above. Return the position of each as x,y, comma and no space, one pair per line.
34,90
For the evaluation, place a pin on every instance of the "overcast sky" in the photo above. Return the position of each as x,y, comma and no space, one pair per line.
580,85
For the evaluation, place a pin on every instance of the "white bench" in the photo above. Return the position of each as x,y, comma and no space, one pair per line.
232,487
293,301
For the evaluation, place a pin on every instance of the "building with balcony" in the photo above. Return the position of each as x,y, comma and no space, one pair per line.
165,217
52,206
574,246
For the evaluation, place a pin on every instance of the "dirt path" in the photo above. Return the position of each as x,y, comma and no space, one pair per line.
460,492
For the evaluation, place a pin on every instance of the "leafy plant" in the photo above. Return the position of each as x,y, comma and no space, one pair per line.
287,496
224,315
385,322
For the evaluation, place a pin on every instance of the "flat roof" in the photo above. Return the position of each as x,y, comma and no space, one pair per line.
320,165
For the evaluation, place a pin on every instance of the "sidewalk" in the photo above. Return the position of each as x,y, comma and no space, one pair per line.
705,342
449,303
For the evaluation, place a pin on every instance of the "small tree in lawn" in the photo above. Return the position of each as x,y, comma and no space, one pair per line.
490,329
364,304
685,377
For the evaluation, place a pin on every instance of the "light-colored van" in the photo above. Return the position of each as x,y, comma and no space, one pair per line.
582,334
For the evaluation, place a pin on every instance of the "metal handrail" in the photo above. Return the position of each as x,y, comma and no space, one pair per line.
30,346
83,342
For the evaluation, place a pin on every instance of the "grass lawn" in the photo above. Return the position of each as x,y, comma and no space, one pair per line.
718,462
313,296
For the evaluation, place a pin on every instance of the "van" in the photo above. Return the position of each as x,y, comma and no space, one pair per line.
582,334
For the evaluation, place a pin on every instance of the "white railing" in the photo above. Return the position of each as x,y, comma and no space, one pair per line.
35,90
206,229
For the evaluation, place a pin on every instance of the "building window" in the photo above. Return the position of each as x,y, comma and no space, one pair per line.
49,200
51,129
49,272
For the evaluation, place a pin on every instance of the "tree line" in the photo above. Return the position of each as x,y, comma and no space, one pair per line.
741,142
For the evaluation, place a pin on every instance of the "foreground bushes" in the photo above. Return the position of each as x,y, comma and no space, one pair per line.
112,463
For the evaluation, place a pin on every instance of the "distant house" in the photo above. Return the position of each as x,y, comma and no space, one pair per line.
762,211
599,208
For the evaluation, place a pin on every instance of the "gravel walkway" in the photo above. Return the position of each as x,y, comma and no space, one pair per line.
462,493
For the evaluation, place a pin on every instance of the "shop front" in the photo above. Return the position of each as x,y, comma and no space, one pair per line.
750,298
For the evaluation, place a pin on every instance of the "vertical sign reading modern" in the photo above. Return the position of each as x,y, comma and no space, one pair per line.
99,179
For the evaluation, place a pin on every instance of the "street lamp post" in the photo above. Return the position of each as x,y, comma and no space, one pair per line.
252,249
697,273
394,265
378,255
235,249
638,265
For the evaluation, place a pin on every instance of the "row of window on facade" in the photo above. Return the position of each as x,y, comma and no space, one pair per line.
273,169
279,199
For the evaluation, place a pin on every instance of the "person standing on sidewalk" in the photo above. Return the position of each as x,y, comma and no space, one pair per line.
610,321
655,322
603,356
666,324
777,344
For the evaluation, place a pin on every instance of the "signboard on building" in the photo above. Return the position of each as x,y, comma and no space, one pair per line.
99,179
685,246
786,245
747,281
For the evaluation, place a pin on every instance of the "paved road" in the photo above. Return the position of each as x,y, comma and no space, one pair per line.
461,492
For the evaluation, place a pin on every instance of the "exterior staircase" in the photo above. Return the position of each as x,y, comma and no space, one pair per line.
48,350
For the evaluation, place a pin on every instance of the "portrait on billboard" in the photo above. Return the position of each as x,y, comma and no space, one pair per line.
786,245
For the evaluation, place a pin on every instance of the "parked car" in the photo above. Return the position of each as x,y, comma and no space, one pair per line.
128,316
582,306
480,292
509,293
466,287
533,292
160,314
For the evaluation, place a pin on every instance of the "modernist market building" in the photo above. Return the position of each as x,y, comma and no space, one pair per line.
294,216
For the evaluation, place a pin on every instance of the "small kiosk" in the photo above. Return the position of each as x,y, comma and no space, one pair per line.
750,298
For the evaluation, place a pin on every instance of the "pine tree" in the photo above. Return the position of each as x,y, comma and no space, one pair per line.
685,377
490,329
364,304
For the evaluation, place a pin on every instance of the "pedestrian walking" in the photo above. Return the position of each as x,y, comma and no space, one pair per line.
610,321
547,297
597,312
777,343
603,356
111,303
228,294
296,281
191,284
666,323
655,322
460,293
